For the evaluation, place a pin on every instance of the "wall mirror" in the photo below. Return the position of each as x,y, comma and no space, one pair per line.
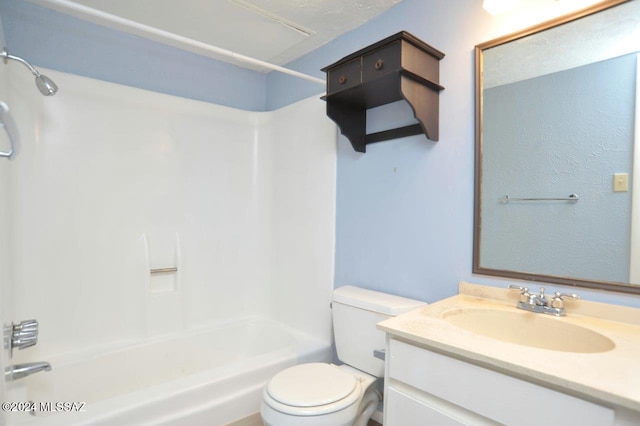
556,196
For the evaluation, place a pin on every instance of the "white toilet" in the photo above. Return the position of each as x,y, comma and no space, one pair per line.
320,394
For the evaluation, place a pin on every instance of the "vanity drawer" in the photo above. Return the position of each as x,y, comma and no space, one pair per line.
407,410
344,76
488,393
381,62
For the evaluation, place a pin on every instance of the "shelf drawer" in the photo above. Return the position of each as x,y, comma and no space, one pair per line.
382,62
488,393
344,76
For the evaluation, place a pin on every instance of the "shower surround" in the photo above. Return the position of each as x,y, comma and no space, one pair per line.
109,182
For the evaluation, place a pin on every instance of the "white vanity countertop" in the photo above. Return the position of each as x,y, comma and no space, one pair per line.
611,377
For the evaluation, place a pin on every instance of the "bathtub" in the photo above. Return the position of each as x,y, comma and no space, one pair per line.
207,377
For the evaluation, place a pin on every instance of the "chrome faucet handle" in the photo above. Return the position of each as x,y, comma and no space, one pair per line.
525,296
568,295
558,299
24,334
26,326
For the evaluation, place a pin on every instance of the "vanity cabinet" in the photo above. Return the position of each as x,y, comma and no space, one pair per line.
424,387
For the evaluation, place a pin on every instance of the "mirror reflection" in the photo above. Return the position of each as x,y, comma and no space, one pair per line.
555,152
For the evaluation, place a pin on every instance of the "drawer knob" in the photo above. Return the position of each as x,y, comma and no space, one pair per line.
342,79
379,64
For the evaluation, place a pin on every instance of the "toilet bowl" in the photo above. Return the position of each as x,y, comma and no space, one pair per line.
322,394
319,394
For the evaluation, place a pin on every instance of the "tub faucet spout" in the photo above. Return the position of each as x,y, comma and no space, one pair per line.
18,371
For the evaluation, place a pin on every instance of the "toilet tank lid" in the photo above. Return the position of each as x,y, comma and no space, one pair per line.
383,303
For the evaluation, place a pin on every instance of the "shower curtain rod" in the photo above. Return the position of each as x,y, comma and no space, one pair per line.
170,39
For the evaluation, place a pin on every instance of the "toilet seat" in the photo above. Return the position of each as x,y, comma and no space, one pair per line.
312,389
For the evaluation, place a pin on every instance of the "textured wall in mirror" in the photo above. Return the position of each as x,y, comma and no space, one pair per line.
574,140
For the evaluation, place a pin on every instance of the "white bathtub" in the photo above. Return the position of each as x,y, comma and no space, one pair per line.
206,377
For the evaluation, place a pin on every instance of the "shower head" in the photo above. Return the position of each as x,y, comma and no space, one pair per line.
46,86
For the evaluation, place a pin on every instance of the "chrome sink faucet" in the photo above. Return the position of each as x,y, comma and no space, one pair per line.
539,303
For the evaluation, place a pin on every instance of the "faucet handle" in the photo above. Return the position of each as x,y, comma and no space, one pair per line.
558,299
567,295
26,326
24,334
524,292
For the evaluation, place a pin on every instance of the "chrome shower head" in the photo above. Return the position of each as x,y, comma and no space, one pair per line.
46,86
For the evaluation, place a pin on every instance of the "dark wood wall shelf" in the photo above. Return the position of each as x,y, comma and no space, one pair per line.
399,67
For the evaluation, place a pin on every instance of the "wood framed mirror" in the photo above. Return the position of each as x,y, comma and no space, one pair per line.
556,196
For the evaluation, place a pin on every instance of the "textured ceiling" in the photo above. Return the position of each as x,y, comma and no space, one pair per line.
275,31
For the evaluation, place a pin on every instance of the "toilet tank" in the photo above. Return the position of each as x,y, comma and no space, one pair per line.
356,311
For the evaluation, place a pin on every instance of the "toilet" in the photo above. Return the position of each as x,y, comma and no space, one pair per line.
322,394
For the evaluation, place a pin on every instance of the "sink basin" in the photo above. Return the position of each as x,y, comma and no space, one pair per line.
529,329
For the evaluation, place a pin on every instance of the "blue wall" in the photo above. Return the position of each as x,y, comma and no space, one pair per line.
405,208
54,40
